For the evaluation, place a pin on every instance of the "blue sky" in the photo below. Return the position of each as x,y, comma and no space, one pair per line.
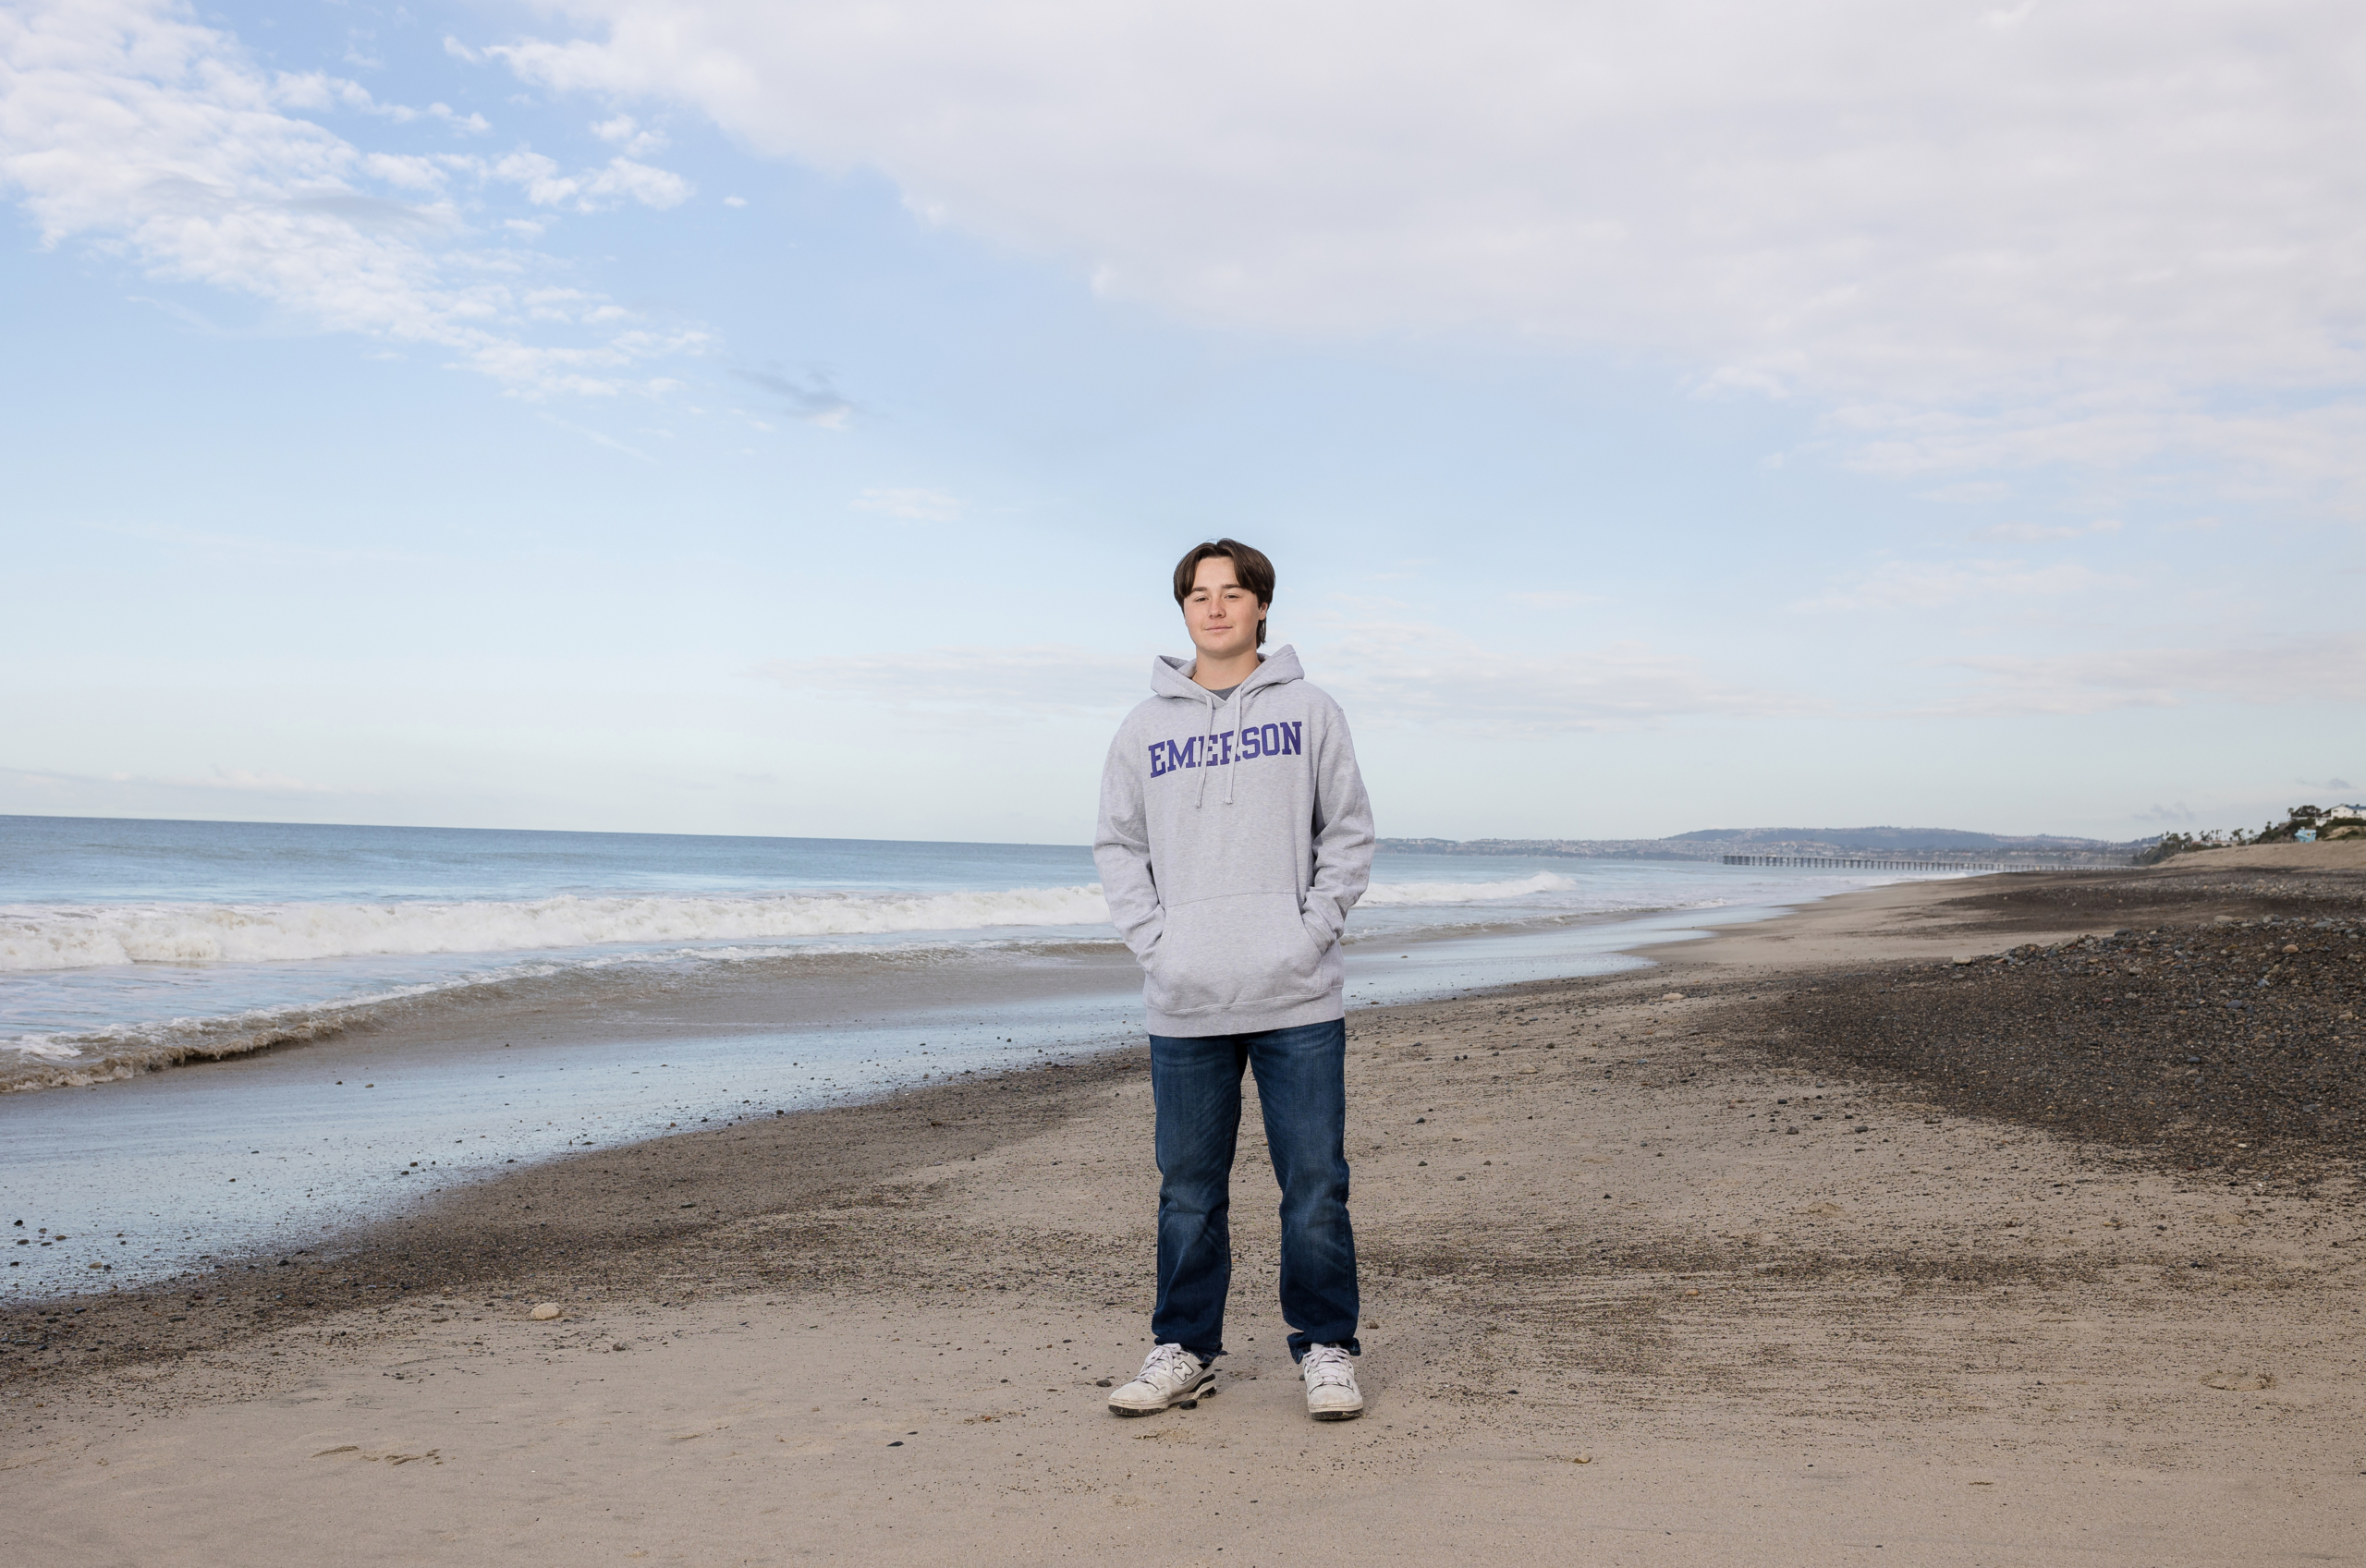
780,419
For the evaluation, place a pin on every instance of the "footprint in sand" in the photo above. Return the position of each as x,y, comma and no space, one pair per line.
432,1456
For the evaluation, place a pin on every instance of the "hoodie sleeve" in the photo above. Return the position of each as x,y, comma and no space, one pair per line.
1122,850
1343,831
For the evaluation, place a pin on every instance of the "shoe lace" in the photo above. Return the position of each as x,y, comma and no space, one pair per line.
1168,1360
1328,1366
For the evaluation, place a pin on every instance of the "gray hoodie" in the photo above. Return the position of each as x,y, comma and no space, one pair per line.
1235,837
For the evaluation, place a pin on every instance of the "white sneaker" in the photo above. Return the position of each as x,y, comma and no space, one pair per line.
1172,1376
1331,1391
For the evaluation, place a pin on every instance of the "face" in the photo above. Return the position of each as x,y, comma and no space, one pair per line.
1220,614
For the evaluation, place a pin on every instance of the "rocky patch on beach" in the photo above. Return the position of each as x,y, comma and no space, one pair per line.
2186,890
2232,1044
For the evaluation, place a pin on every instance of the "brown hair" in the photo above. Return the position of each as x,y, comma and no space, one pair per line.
1249,565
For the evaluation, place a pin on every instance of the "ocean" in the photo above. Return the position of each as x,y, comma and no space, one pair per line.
220,1036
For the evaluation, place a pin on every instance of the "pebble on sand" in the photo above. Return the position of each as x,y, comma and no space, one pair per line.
546,1311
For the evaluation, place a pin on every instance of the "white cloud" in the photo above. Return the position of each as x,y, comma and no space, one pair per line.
1917,585
408,171
238,780
126,125
2038,533
317,90
1389,673
2322,671
1973,491
2307,448
1049,679
2085,234
918,505
1393,672
592,190
630,136
649,186
247,781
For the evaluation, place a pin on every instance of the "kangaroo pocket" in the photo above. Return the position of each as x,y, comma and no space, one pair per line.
1220,952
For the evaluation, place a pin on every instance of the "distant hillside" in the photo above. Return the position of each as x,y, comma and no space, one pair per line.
1709,843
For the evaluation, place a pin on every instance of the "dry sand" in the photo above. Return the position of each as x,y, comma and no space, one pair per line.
1617,1313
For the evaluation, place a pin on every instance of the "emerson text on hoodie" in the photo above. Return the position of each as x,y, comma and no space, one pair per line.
1235,837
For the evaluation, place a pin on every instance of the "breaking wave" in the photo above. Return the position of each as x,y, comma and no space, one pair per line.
591,940
125,1050
98,935
1386,894
94,936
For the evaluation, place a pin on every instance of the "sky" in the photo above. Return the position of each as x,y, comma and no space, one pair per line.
715,416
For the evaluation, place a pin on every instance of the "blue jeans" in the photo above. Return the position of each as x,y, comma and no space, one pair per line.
1302,1084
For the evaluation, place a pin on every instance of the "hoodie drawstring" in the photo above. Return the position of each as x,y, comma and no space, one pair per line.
1239,728
1207,750
1208,745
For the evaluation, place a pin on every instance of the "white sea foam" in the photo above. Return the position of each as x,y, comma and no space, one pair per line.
1397,894
356,953
97,935
44,1048
94,936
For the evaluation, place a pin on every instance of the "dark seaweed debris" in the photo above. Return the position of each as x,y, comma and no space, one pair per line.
2235,1045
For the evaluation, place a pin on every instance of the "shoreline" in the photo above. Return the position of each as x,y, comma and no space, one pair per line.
1927,1280
144,1178
233,1009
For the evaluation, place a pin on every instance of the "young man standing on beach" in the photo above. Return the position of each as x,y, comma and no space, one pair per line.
1234,838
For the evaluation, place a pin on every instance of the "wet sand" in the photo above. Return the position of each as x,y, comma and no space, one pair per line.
1618,1309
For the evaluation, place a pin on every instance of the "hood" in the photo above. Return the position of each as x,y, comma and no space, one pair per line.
1170,676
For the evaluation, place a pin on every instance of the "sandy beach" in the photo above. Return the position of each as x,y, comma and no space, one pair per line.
2008,1220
